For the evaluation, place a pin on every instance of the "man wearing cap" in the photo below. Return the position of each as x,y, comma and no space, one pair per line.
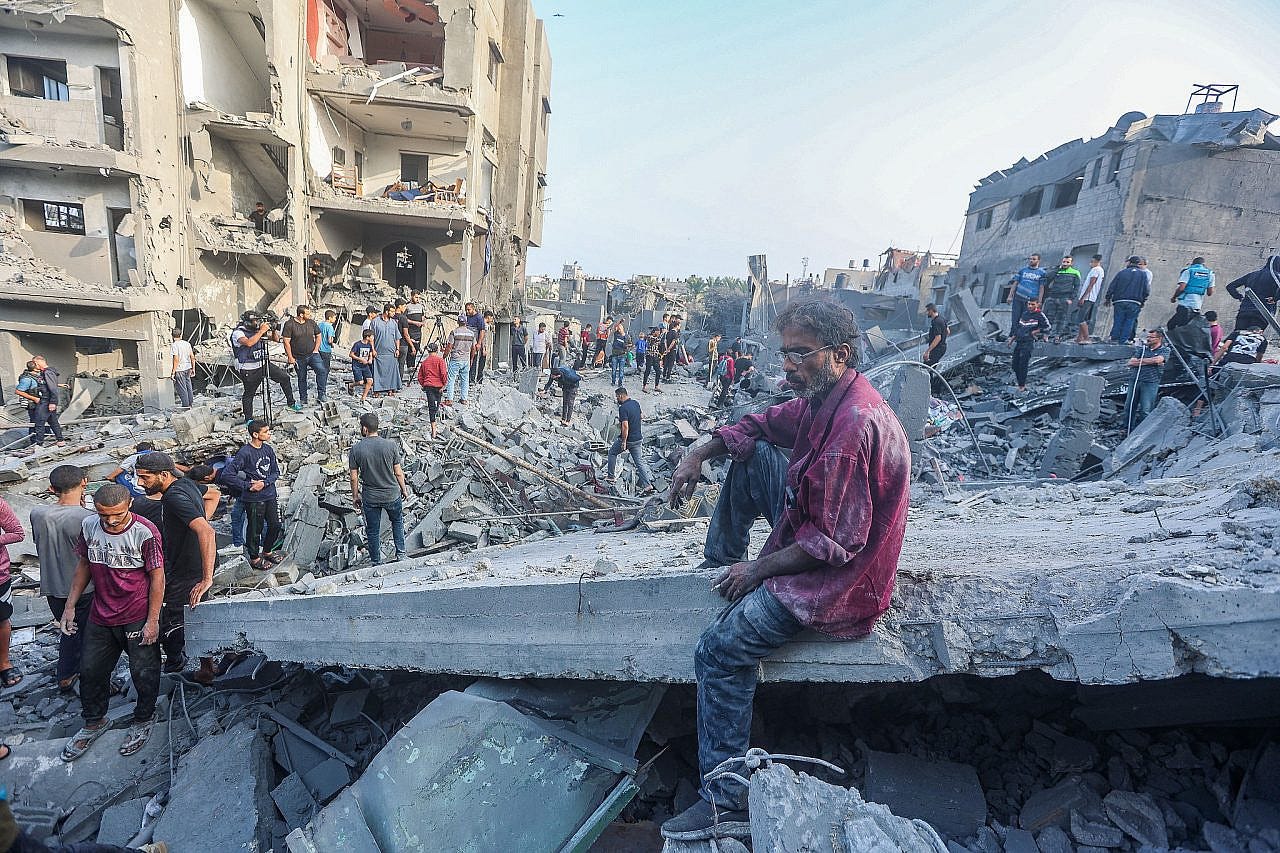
457,357
1126,294
189,552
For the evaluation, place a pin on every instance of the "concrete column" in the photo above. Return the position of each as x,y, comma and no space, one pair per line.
157,390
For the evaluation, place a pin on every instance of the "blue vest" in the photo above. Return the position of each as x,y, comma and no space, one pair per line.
246,355
1198,278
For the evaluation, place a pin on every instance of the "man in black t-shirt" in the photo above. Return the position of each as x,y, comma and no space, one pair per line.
302,351
670,344
189,552
1243,346
936,339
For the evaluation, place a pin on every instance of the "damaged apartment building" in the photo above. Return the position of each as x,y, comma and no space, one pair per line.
393,145
1167,188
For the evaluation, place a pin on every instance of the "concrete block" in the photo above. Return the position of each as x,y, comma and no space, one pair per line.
946,794
465,532
1054,840
326,779
191,425
1020,841
121,822
1094,833
13,470
220,799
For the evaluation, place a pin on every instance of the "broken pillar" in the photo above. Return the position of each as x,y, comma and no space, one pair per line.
1072,443
220,799
909,397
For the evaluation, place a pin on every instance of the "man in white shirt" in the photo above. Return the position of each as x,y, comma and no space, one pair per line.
184,367
539,346
1087,298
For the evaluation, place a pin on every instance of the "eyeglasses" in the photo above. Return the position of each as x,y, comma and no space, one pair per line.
800,357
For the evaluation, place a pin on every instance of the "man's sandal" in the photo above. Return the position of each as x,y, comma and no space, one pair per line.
82,740
138,737
11,677
68,685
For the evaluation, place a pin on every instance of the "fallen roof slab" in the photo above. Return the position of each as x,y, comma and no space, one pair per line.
1101,583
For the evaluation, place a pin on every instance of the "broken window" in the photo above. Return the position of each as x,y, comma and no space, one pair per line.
1066,192
1113,171
54,216
112,107
1097,172
495,59
38,78
1029,204
413,167
984,220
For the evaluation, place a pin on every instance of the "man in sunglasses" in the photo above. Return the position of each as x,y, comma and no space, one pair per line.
838,507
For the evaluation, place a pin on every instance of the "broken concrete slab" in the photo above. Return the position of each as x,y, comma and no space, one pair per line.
121,822
1054,806
220,799
793,813
944,793
192,425
456,755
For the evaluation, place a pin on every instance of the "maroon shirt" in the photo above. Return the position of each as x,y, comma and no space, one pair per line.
121,565
848,485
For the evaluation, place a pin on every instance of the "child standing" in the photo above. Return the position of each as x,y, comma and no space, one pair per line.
256,467
362,356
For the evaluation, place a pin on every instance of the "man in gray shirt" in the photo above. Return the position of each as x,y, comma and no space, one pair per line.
376,461
55,530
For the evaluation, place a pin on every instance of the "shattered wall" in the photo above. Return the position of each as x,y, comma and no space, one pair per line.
223,57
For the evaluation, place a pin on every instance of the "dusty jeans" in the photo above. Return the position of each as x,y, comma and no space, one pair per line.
726,658
726,665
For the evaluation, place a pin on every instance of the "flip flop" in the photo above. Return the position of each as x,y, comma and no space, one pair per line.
11,677
275,558
138,737
68,685
82,740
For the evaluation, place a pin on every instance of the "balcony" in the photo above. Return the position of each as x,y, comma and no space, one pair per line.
428,210
393,83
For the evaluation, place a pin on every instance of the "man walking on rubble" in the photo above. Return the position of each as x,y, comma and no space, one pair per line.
1032,326
1144,386
670,344
630,440
838,507
121,553
652,361
56,530
1265,284
433,376
38,389
1127,293
189,548
378,486
539,346
302,340
936,347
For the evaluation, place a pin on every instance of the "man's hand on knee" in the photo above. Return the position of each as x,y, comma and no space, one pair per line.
739,579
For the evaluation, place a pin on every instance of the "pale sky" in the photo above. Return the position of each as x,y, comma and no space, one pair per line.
688,134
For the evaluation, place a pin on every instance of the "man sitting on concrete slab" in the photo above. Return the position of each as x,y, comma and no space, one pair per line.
121,553
838,508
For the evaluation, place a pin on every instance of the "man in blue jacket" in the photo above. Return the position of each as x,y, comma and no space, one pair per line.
1028,283
1126,294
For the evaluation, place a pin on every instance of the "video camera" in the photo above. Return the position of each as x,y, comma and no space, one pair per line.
253,319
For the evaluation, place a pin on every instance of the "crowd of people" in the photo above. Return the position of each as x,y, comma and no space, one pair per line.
1046,303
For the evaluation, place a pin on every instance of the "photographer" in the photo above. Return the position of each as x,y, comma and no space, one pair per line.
249,347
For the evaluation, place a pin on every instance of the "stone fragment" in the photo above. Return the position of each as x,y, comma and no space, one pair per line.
1054,840
794,812
121,822
946,794
294,801
1053,806
192,425
1138,816
1020,841
1094,833
12,470
220,799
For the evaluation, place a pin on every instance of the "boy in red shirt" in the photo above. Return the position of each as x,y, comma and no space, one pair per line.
433,375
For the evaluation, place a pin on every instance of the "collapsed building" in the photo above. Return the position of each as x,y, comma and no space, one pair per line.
394,147
1167,188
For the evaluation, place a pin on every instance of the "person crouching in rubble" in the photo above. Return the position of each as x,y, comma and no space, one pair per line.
568,380
838,508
